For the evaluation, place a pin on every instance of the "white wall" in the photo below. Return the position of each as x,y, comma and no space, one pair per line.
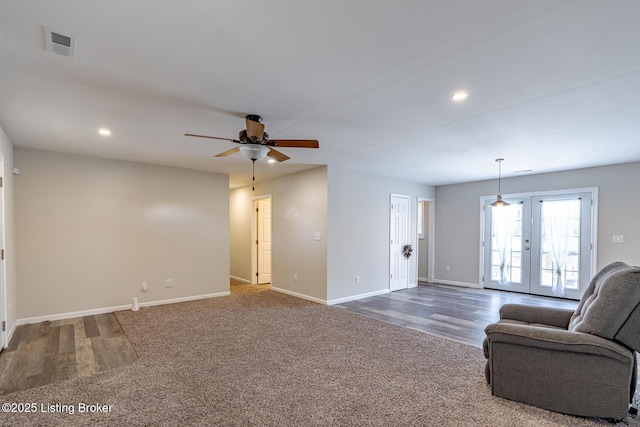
90,230
358,241
458,216
298,211
241,223
9,267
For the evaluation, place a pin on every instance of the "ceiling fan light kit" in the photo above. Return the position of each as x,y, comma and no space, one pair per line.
254,152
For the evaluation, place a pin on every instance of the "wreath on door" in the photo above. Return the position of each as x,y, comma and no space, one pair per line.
406,251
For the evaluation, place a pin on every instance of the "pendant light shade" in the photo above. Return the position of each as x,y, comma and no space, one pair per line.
499,202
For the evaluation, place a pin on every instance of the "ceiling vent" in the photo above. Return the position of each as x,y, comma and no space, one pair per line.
59,43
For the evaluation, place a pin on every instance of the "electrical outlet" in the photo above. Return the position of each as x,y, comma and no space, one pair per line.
295,277
447,268
357,279
144,286
168,283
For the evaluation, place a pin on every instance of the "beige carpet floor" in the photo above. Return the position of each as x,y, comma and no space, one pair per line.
261,358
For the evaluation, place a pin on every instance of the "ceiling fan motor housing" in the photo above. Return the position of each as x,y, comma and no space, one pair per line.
245,139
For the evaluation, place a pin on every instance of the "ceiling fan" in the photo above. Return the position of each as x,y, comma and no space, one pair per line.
256,145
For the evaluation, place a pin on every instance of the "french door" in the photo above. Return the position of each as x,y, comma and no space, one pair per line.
539,244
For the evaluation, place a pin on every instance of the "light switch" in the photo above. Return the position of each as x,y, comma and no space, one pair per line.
317,236
618,238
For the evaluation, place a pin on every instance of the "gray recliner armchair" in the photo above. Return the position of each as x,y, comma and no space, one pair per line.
578,363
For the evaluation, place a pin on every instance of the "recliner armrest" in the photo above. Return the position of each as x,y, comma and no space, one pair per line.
558,317
556,339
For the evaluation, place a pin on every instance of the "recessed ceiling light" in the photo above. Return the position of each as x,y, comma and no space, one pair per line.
459,95
104,132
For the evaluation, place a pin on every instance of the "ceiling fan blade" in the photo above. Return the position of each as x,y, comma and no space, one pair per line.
276,155
298,143
211,137
228,152
255,129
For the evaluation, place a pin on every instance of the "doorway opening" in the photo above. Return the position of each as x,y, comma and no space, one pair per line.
426,240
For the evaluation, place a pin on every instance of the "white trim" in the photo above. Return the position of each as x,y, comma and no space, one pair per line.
4,312
298,295
461,284
545,193
356,297
240,279
412,285
74,314
10,334
431,261
423,279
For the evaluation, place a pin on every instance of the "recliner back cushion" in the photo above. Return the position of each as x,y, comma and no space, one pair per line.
614,293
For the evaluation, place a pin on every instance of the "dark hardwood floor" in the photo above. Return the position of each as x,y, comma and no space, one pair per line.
47,352
452,312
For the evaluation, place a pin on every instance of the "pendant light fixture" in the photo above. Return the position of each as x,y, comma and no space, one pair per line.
499,202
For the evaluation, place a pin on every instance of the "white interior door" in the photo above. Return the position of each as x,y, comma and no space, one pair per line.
3,333
399,237
263,241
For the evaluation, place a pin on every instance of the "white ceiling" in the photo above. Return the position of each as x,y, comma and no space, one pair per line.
553,84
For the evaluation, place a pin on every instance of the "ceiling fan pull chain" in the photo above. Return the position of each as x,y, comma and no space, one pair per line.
253,173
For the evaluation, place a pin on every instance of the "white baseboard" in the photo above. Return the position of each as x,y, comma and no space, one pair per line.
297,295
92,312
239,279
359,296
461,284
423,279
10,334
412,285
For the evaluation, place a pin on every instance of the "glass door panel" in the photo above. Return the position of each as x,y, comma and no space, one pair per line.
506,246
561,247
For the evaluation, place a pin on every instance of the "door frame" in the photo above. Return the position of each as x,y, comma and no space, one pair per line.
3,270
430,227
593,227
254,235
